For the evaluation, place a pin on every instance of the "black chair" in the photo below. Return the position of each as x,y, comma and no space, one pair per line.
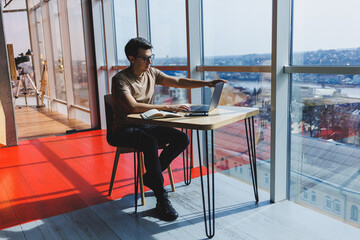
138,156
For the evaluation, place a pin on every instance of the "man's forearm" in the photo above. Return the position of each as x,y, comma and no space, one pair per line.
191,83
143,107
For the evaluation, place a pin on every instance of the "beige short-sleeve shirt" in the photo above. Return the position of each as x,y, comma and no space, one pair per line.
141,88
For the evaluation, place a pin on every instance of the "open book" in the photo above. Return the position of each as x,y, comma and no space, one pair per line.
154,113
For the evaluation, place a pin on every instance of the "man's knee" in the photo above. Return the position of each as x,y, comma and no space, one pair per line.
148,143
184,139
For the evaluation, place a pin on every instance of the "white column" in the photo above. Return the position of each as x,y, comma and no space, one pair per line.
280,87
100,58
195,45
90,61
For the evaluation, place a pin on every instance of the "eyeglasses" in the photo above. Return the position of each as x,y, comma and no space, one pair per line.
147,59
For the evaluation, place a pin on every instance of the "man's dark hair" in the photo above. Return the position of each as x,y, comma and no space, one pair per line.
132,47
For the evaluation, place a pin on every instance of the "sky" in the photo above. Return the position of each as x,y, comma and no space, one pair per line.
236,27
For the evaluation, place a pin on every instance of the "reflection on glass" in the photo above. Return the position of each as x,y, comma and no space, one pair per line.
40,36
57,50
324,34
237,32
125,27
325,146
168,32
246,90
78,58
170,95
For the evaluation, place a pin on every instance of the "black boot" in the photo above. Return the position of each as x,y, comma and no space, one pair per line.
165,209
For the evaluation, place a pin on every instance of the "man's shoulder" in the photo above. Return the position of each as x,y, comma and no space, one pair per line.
153,70
122,74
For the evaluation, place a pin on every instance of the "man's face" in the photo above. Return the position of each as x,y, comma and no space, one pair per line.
142,61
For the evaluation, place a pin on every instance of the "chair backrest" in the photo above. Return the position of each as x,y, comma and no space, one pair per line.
109,112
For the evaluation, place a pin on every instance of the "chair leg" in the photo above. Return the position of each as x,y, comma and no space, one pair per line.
116,161
141,167
171,178
136,176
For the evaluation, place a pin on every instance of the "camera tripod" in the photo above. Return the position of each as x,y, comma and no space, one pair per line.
22,83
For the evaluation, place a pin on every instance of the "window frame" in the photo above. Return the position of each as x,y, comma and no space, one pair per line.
328,200
337,204
354,213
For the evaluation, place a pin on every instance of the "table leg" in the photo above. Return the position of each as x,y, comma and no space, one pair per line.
209,216
250,139
186,165
136,177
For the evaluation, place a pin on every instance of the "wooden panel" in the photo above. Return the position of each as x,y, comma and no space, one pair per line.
2,127
35,122
10,49
233,69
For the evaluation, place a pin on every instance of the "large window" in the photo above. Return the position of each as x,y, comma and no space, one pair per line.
325,125
125,27
246,89
168,37
325,132
40,37
168,32
237,32
324,33
78,58
324,108
170,95
57,50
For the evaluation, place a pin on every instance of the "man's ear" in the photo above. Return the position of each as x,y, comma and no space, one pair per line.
131,59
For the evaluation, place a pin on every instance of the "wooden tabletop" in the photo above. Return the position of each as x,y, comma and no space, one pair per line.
219,117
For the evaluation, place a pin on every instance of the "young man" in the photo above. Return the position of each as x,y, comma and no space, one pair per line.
133,92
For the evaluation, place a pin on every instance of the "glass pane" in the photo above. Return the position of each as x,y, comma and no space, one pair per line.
325,146
170,95
78,58
168,32
57,50
125,27
17,33
247,90
237,32
13,5
40,37
324,33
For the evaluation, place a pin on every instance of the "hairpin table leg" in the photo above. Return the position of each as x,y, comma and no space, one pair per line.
186,165
209,215
250,139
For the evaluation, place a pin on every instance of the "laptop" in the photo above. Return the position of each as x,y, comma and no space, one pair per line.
204,109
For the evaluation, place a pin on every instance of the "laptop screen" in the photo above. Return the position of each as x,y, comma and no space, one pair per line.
216,96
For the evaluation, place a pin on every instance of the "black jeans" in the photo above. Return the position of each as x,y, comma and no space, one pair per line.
147,139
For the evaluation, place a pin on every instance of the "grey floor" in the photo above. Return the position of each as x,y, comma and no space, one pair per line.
237,217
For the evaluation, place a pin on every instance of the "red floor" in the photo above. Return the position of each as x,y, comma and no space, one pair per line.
46,177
